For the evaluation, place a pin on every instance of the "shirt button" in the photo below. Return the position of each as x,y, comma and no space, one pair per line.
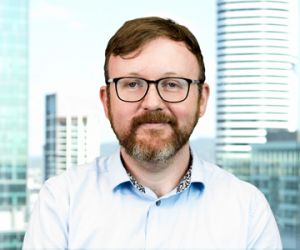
158,203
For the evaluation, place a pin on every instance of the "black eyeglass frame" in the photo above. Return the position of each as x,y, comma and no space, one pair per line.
189,81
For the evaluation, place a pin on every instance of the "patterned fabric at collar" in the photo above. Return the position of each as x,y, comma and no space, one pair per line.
185,181
136,184
183,184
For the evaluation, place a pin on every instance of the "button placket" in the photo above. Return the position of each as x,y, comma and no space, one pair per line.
152,237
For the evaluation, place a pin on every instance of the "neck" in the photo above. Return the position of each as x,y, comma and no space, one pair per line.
161,177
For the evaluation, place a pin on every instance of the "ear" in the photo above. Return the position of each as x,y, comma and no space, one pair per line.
104,99
204,99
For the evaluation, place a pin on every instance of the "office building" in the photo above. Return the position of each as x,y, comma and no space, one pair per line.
13,121
275,170
257,85
72,133
34,181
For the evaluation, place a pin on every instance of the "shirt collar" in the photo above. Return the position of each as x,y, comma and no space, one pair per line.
119,176
202,171
184,182
116,170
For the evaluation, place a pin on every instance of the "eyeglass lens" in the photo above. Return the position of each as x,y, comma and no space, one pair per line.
169,89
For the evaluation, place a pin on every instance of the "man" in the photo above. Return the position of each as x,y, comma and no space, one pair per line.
154,193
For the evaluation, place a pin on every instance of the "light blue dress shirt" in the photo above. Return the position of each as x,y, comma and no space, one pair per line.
96,207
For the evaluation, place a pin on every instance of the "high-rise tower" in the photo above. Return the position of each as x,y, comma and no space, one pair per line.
256,80
13,120
72,133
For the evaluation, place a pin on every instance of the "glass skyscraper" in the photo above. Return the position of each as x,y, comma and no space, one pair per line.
275,170
13,120
256,80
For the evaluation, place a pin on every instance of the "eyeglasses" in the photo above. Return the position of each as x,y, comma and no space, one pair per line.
170,89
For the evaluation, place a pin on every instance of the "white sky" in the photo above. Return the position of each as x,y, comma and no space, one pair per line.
67,43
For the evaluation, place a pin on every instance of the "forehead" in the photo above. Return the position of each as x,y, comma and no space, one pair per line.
158,58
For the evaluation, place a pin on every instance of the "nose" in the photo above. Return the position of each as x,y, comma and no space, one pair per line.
152,100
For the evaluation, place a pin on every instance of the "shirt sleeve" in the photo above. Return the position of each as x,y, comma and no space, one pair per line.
48,227
263,231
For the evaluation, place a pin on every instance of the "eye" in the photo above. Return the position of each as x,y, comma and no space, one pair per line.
132,84
171,84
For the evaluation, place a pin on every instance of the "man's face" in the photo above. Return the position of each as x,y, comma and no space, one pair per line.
154,130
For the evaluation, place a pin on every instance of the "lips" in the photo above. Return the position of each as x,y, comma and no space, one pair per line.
153,124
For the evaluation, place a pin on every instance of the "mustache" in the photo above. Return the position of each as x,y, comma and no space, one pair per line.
153,117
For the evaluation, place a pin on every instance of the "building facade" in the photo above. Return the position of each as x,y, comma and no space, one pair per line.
72,134
256,80
13,121
275,170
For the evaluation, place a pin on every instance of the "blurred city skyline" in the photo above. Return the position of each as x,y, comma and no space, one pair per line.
66,55
67,43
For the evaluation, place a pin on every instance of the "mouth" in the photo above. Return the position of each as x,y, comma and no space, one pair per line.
154,125
153,120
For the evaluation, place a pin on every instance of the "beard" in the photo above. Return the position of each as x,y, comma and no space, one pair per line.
143,149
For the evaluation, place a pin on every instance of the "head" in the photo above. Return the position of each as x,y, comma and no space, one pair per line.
152,48
134,34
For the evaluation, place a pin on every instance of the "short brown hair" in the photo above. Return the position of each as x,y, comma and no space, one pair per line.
137,32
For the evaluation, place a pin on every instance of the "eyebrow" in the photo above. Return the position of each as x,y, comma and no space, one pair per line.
166,74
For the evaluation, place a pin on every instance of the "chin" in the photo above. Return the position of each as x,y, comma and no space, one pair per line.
153,155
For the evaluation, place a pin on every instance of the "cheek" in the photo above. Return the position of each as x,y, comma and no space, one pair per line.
120,115
187,115
188,109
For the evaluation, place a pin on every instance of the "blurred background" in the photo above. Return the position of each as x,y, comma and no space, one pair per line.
51,119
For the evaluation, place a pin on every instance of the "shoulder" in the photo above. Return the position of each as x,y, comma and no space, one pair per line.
221,182
242,203
225,178
77,176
